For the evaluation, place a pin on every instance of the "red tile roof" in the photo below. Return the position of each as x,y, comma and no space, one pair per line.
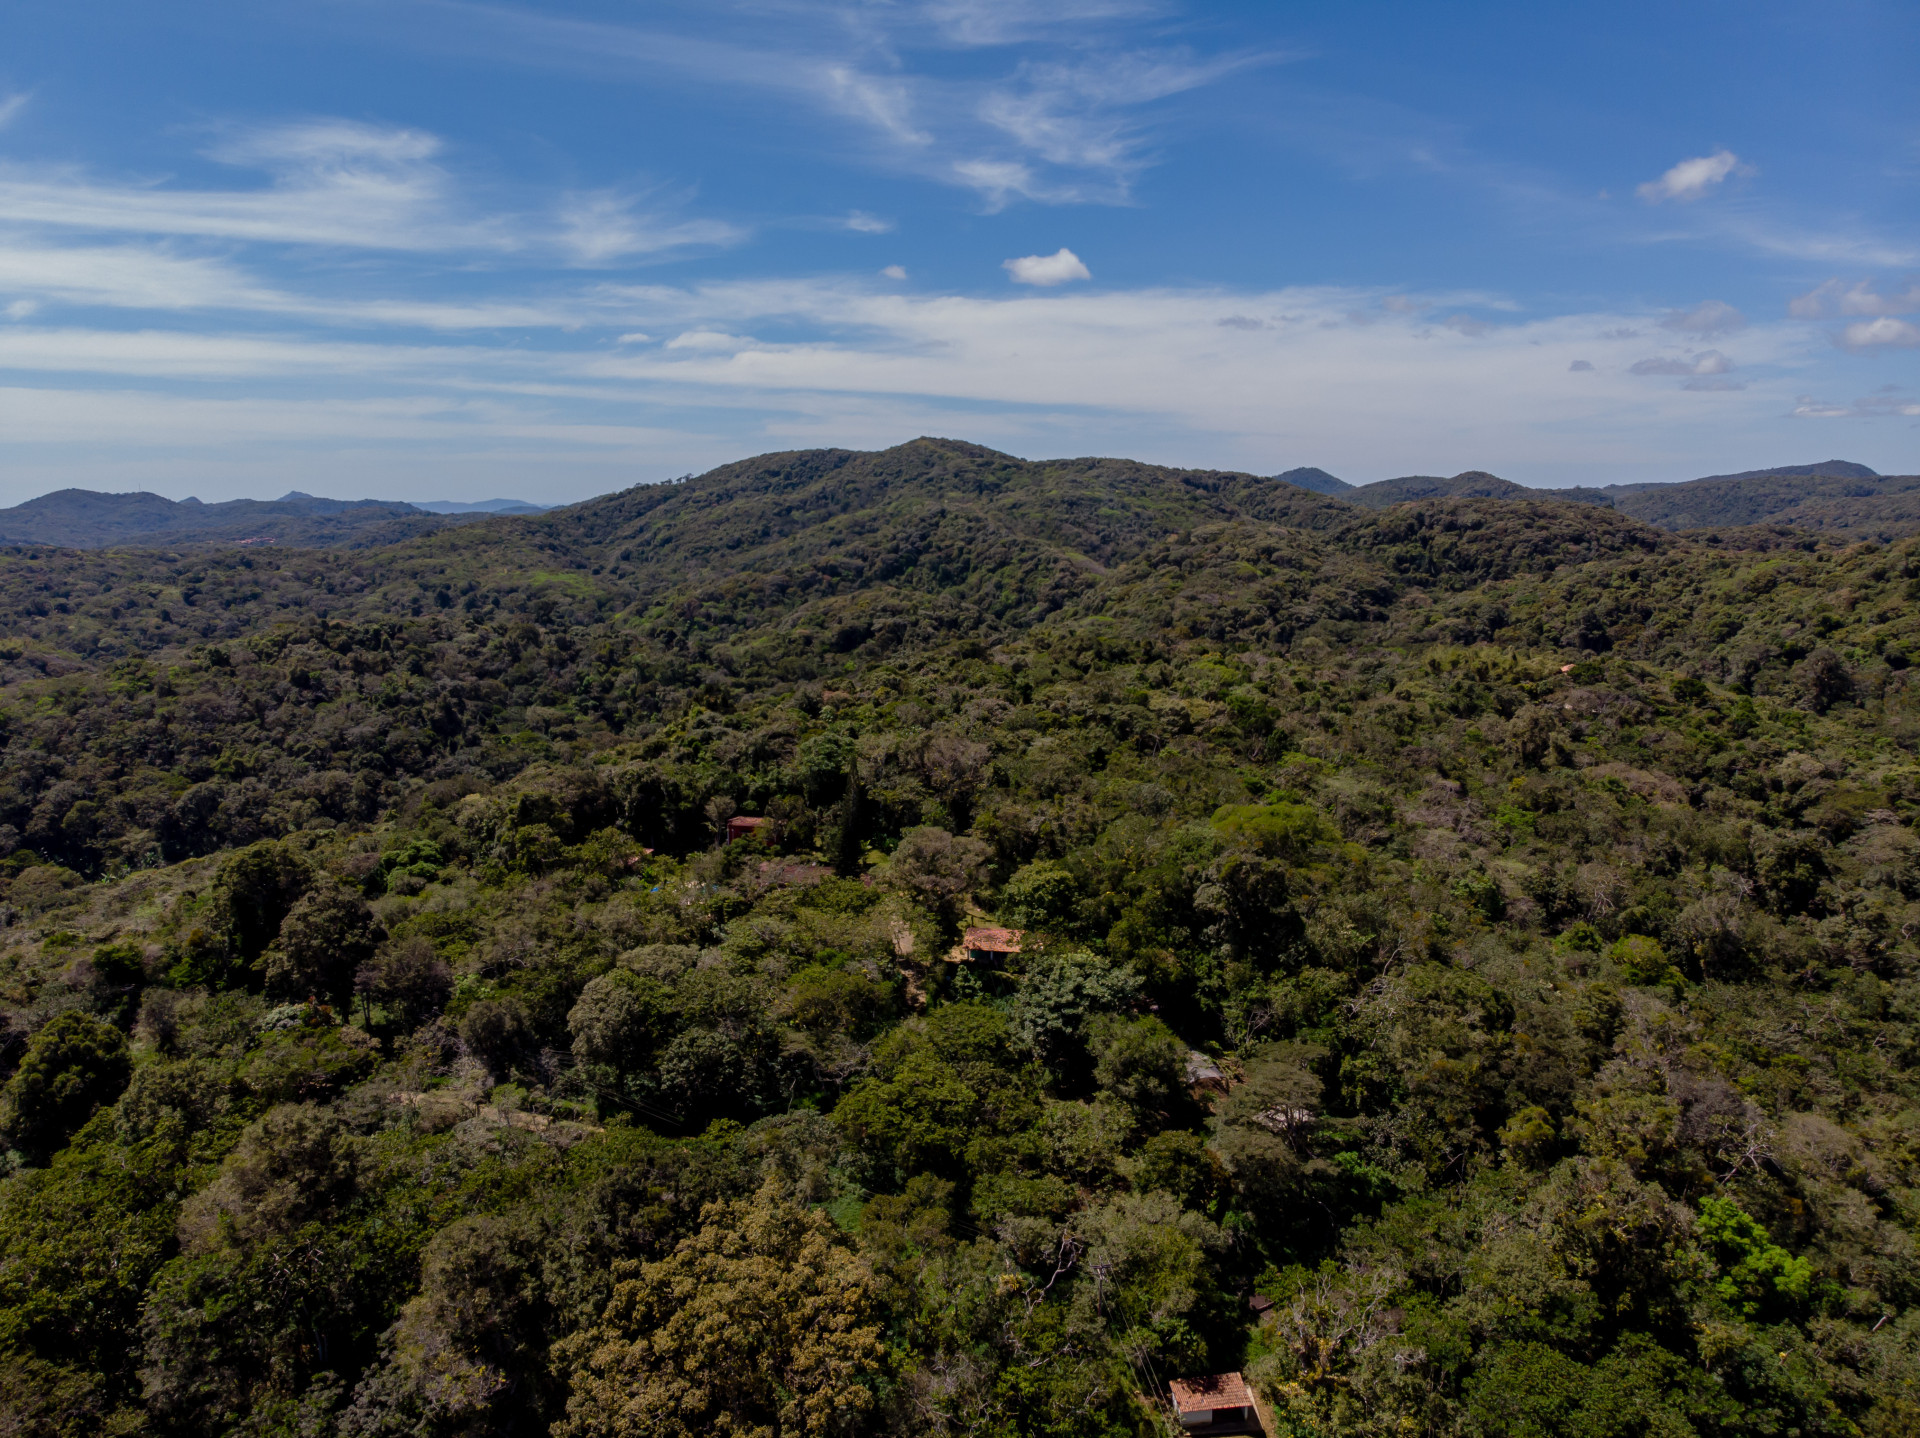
1216,1390
994,941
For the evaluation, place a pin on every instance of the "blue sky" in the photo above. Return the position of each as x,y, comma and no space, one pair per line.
436,249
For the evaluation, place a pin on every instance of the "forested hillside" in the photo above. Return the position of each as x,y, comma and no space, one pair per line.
1483,928
84,519
1844,500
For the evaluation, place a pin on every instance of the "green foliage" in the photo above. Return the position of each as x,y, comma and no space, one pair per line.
762,1322
1287,830
1041,895
72,1066
325,937
1059,992
1757,1276
1482,926
1642,959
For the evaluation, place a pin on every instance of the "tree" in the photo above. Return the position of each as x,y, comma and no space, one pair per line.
410,980
467,1352
764,1324
1757,1276
1058,994
620,1019
1138,1061
1286,830
72,1066
324,939
255,889
1040,894
938,869
496,1033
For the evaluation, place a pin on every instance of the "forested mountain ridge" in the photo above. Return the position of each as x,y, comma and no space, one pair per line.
1473,484
83,519
384,1008
1845,499
1850,505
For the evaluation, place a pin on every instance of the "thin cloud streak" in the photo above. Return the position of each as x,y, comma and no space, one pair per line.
1154,371
338,185
1061,132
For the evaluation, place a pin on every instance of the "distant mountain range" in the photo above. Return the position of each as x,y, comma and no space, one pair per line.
1317,480
479,506
84,519
1836,496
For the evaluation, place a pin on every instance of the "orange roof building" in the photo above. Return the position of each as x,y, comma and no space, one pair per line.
742,825
983,946
1217,1403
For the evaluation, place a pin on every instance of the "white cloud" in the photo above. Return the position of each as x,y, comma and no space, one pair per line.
11,107
711,340
1849,240
861,223
1007,22
883,101
1690,179
173,354
1708,318
998,181
1883,333
602,228
895,272
1148,373
124,276
340,184
1054,269
1707,362
326,145
140,277
1889,401
1835,298
332,184
21,309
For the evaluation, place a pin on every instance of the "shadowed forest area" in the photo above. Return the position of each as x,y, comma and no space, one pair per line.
1484,928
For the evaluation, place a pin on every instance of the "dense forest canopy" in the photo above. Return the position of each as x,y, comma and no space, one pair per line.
1482,928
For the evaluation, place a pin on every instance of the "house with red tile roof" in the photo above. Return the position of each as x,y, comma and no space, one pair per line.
987,945
1219,1403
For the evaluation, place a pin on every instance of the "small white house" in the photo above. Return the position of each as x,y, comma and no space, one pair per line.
1218,1403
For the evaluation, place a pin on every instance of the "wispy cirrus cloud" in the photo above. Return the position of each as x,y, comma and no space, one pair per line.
35,272
330,183
344,185
1889,400
1008,22
1066,128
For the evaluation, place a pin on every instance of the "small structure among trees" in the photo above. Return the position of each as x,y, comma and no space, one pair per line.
1217,1403
987,945
741,825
